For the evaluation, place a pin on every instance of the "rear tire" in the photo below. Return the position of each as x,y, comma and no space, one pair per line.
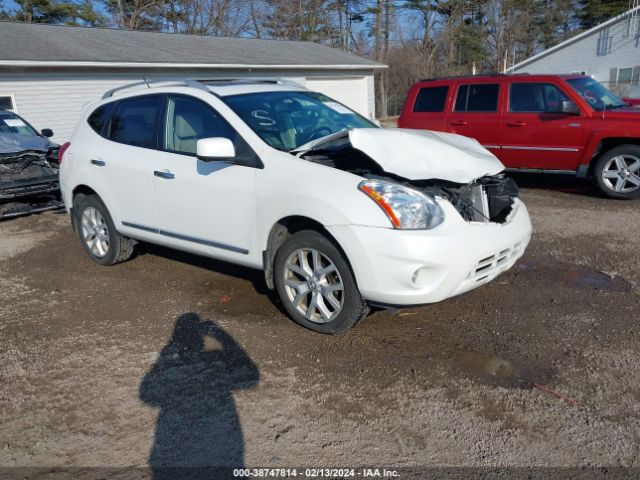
315,284
617,172
98,235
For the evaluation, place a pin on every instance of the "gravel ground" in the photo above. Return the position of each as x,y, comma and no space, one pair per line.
175,360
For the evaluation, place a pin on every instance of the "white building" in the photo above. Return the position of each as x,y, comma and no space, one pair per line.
48,72
609,52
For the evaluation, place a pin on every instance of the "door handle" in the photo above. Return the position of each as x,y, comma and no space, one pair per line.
517,123
459,122
98,163
164,174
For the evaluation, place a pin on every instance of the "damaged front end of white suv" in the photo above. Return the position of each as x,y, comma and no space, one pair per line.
457,219
444,165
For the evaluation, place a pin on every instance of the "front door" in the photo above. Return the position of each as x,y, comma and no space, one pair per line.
202,206
534,132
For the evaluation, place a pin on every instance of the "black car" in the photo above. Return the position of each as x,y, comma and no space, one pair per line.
28,167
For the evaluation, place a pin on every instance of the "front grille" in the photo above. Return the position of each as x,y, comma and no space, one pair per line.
489,199
494,263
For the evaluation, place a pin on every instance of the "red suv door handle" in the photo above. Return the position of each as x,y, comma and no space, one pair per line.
517,123
459,122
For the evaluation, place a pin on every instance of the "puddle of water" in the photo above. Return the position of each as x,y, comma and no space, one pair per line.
497,371
577,276
596,280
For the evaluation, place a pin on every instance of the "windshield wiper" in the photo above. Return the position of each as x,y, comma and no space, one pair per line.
611,107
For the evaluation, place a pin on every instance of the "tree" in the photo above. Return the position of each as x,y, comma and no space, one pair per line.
57,11
310,20
594,12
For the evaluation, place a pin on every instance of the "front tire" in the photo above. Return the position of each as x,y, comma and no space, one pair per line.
315,284
98,235
617,172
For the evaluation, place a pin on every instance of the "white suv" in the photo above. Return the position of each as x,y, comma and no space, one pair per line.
341,215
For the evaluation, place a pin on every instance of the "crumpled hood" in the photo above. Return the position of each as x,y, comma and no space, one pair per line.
16,143
425,154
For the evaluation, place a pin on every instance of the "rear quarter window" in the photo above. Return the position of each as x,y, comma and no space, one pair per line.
482,97
99,118
431,99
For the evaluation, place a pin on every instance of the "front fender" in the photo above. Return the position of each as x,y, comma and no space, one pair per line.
320,193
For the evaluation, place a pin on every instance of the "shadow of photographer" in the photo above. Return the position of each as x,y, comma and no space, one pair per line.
198,432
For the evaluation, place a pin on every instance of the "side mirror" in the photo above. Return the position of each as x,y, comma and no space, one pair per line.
568,107
215,148
47,132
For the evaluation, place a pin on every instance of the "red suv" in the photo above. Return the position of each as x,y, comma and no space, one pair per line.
537,123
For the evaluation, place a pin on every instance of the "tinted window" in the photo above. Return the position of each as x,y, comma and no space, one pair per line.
189,120
6,103
535,97
100,117
134,121
431,99
477,98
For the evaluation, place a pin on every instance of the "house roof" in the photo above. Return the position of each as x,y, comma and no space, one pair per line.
574,39
31,44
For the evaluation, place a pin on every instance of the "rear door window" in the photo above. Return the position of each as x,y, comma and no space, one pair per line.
431,99
482,97
135,121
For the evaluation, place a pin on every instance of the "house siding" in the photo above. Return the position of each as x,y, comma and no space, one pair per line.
596,54
51,99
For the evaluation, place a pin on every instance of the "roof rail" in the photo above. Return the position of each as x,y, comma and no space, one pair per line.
249,80
187,82
199,84
487,74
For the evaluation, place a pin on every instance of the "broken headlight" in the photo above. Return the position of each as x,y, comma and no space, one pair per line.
406,208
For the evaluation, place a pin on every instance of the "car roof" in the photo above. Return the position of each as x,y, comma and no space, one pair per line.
220,88
504,76
238,88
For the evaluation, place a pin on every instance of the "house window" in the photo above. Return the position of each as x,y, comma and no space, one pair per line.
7,103
605,39
625,75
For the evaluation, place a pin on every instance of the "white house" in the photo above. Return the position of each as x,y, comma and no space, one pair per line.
48,72
609,52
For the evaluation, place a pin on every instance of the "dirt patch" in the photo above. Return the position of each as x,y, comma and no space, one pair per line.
97,370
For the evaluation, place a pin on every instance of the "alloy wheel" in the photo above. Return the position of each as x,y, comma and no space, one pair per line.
95,233
621,173
313,285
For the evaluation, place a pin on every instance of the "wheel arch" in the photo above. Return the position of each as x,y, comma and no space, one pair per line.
604,145
81,189
283,229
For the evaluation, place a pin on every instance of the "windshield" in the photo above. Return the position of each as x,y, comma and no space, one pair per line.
287,120
596,95
12,123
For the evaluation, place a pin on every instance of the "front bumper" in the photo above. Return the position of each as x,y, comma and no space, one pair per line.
412,267
23,187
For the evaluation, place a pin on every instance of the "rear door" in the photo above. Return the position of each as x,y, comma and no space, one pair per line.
535,134
476,113
121,163
425,107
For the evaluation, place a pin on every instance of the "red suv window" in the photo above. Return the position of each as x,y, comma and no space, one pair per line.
480,97
431,99
535,97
